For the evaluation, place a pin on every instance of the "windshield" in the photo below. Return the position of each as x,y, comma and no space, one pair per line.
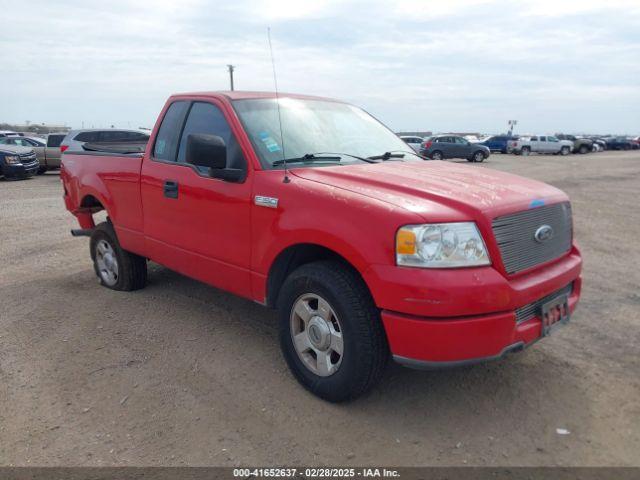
314,127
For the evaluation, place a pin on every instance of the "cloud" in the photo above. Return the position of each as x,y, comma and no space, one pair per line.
459,65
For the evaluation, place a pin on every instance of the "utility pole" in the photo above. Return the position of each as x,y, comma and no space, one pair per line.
231,69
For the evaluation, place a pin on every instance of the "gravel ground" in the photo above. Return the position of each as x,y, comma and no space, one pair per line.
183,374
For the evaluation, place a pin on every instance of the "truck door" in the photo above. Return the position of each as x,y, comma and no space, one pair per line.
193,223
543,145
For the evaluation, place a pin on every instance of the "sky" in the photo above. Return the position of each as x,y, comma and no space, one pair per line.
454,65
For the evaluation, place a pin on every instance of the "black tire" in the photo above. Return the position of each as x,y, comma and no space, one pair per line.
583,149
477,157
365,352
565,151
436,155
132,268
42,170
525,151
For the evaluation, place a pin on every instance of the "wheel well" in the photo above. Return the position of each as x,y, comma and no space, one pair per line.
92,203
293,257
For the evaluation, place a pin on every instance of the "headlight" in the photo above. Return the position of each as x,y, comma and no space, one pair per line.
12,160
441,245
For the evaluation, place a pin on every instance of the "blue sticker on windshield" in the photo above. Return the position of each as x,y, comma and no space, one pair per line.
538,202
269,142
273,147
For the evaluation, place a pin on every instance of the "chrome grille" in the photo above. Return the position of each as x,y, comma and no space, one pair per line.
515,234
27,158
531,310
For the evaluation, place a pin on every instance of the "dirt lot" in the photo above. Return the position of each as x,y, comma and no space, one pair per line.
180,373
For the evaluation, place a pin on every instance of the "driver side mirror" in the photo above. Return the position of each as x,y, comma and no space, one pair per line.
210,151
206,151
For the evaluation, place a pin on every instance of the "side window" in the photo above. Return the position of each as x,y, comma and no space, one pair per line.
54,140
87,137
166,143
138,137
543,139
113,136
533,139
460,140
207,118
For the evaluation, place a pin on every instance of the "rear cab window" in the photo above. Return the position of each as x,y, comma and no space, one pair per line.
166,143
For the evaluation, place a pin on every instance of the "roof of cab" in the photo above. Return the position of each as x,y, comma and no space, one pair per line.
245,95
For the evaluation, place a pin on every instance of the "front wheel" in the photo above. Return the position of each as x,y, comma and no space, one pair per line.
116,268
525,151
42,170
583,149
564,151
331,333
478,157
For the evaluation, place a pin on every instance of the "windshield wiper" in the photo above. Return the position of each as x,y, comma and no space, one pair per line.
386,156
321,157
308,158
395,154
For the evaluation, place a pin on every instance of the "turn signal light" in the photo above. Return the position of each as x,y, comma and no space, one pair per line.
406,242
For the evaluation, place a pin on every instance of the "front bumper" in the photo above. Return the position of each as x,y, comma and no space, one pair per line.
20,170
436,343
442,318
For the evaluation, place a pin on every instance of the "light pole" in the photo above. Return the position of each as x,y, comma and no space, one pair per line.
231,69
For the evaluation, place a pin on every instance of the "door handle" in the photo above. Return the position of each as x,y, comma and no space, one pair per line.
170,189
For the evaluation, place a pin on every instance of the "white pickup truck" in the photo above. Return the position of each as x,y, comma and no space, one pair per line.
540,144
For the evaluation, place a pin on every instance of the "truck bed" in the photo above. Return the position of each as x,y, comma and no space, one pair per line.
95,179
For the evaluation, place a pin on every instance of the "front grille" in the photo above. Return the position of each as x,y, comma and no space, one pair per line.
531,310
28,158
515,234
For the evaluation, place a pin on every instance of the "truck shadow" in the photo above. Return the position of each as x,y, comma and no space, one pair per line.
536,389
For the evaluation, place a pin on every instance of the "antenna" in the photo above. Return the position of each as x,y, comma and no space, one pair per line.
275,81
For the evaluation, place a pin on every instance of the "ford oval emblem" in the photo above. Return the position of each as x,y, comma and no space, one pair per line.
543,233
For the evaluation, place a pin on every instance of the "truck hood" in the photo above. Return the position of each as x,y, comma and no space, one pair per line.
435,189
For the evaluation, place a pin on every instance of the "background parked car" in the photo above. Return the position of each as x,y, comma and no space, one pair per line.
440,147
619,143
17,161
413,142
498,143
540,144
9,133
580,144
47,150
76,139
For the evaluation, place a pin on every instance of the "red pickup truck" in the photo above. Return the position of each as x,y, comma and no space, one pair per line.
311,206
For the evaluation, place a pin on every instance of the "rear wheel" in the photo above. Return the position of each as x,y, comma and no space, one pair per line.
525,151
115,267
331,334
437,155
